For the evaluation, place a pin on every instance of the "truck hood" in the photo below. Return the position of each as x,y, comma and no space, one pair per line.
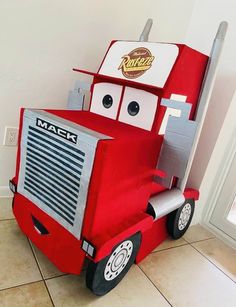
101,124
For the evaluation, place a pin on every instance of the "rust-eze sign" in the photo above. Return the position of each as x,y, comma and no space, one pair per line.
144,62
136,63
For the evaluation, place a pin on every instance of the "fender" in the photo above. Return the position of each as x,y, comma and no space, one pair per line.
105,243
191,194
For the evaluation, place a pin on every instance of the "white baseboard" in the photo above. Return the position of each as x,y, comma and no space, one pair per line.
5,191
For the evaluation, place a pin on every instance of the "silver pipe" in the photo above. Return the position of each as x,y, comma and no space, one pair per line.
144,35
205,94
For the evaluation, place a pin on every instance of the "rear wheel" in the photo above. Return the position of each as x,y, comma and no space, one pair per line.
179,220
103,276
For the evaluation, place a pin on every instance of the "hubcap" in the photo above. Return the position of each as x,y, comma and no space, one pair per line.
184,216
118,260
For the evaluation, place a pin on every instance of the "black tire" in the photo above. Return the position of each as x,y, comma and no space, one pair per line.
103,276
179,220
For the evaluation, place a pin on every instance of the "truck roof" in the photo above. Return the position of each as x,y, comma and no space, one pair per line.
145,65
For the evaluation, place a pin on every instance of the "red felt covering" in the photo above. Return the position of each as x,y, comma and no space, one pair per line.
140,222
191,193
152,238
102,124
120,184
60,246
185,79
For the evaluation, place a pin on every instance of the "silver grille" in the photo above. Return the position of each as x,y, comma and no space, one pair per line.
54,173
49,161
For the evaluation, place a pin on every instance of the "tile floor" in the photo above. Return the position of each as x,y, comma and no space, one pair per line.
197,270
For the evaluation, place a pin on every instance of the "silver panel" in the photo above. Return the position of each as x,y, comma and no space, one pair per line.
54,171
166,202
77,95
177,144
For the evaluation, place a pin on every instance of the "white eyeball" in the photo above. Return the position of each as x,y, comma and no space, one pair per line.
138,108
105,99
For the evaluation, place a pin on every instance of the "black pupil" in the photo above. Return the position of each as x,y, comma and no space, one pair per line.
107,101
133,108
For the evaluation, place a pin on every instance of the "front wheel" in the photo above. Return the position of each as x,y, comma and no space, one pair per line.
103,276
179,220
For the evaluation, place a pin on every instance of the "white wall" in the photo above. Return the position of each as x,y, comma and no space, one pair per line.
42,40
202,28
216,164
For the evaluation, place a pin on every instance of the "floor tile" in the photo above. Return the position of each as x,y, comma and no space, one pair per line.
48,269
186,278
31,295
134,290
220,254
169,243
197,233
6,208
17,263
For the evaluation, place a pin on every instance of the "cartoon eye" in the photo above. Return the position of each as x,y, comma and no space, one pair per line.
138,108
105,99
133,108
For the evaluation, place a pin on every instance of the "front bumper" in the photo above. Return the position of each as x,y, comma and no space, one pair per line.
59,245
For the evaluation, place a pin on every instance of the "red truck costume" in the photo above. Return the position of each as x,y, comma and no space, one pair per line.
107,183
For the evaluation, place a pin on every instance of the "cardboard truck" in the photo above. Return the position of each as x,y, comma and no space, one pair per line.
109,183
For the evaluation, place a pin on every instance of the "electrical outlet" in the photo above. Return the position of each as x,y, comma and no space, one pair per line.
11,136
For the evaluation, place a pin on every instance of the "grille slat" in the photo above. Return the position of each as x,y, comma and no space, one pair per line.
54,206
62,183
44,159
33,191
50,182
46,191
50,149
52,156
50,169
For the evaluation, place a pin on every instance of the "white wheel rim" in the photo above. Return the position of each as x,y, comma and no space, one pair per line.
118,260
184,216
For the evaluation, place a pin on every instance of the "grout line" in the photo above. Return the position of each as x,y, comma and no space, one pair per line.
49,294
187,243
212,263
63,274
33,252
168,248
154,285
41,273
200,240
2,220
24,284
